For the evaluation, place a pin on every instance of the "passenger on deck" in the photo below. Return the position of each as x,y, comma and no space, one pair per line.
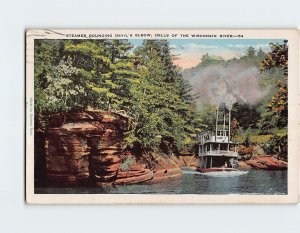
225,165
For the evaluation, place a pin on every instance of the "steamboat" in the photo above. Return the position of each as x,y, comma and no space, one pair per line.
216,151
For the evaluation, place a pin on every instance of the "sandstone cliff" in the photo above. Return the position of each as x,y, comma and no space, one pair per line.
84,145
88,147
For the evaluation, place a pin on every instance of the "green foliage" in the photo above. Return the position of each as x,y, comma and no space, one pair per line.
267,123
276,145
235,126
248,115
252,57
108,74
46,55
278,57
278,107
207,117
247,141
250,52
207,60
259,139
80,74
163,111
258,150
65,89
126,164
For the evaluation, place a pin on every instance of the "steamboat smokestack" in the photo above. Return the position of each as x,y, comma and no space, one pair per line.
217,112
229,123
224,120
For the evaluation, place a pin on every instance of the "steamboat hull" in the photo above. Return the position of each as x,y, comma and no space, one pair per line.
215,169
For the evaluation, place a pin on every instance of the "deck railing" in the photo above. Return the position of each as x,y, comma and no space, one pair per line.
220,153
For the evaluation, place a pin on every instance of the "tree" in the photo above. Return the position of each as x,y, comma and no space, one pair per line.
251,52
76,74
234,127
261,54
207,60
64,89
248,115
163,109
47,54
107,69
278,58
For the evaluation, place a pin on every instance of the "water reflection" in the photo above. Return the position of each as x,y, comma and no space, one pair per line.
254,182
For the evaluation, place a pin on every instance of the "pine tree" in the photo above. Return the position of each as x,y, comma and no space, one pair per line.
163,103
107,69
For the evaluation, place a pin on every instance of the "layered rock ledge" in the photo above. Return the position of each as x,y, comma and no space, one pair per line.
84,145
267,163
88,147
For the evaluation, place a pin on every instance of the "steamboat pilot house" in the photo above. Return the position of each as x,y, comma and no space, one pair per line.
216,150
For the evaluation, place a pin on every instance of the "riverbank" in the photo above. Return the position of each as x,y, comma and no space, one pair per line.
257,182
267,162
88,147
149,167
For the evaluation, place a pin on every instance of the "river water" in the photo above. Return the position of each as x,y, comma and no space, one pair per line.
192,182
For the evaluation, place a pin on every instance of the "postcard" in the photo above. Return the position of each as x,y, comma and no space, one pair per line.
168,116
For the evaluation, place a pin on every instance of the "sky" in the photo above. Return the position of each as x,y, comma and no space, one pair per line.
190,51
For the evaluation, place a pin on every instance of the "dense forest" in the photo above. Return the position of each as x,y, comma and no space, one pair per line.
144,83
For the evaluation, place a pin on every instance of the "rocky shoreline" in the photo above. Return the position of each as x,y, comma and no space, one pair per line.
267,162
88,147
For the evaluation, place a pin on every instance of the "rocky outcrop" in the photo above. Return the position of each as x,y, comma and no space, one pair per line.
190,161
84,145
88,147
267,163
137,173
243,165
164,168
147,167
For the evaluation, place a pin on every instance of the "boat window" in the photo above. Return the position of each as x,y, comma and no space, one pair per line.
232,148
215,146
223,147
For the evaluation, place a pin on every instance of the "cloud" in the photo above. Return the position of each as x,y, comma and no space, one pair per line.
265,47
189,55
188,47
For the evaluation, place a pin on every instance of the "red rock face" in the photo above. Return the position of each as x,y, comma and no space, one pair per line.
243,165
84,145
267,163
135,172
88,146
165,168
134,175
161,168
